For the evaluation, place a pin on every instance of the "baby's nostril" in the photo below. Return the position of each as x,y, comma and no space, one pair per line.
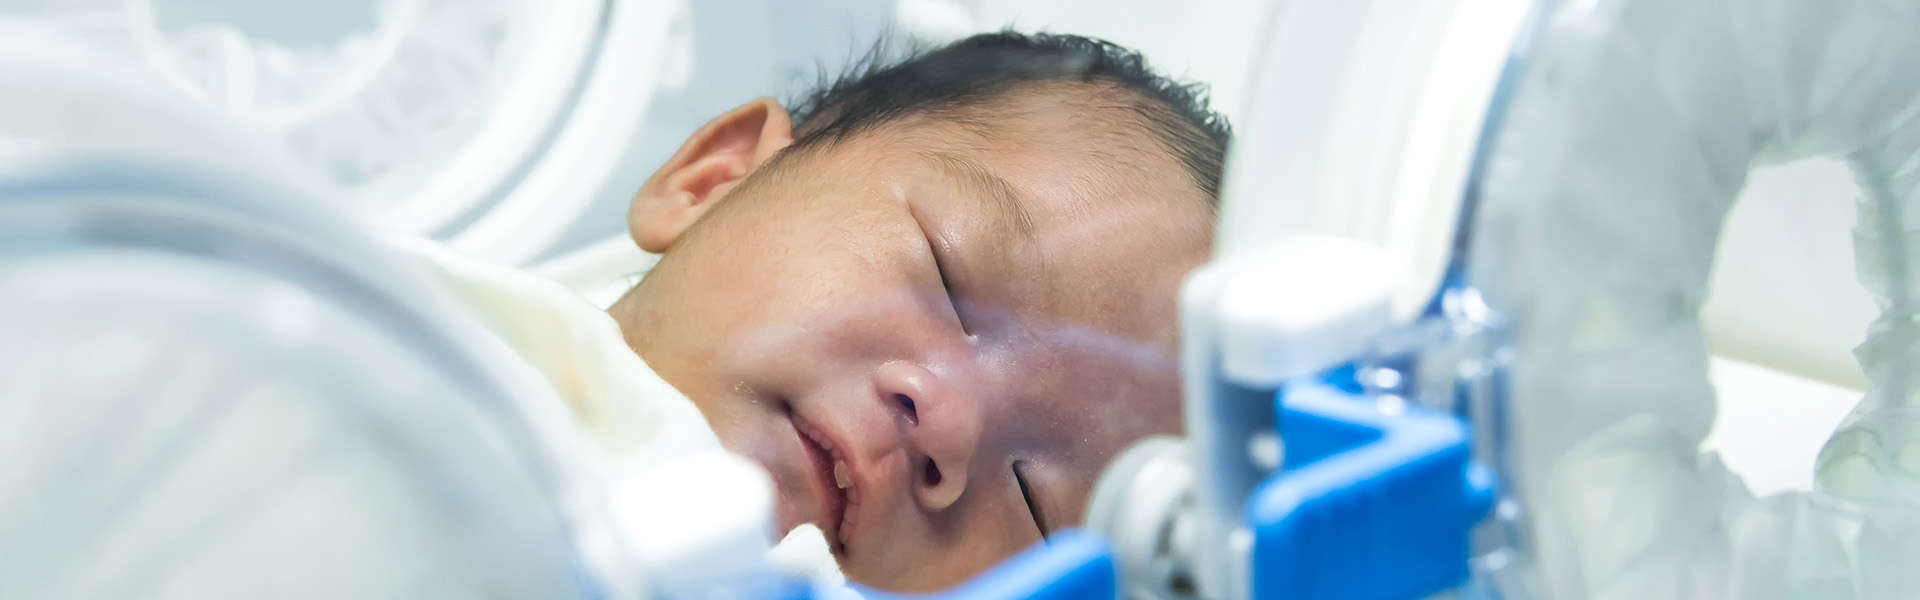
931,473
906,404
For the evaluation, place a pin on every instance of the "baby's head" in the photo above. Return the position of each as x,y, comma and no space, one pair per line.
946,285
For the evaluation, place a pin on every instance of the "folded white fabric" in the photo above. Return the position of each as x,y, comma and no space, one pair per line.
627,412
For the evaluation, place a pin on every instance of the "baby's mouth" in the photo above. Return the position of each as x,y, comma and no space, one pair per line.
840,499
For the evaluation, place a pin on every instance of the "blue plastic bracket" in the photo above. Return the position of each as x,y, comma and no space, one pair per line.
1367,505
1070,565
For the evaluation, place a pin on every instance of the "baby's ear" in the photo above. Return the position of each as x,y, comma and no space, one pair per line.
707,166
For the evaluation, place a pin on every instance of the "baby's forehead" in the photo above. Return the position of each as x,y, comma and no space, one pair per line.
1062,160
1068,147
1045,148
1094,195
1093,126
1070,118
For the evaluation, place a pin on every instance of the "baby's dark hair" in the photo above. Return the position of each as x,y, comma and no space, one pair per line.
982,68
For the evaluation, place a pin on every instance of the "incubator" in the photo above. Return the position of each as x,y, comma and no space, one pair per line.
1506,302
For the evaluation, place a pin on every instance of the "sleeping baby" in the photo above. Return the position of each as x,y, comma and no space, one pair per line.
936,296
931,301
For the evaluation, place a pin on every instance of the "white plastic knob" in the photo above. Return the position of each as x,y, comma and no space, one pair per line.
1304,304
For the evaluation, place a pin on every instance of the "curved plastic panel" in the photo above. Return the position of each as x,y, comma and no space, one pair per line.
196,403
575,164
1365,123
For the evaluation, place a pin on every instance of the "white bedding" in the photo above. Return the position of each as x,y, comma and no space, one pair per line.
628,413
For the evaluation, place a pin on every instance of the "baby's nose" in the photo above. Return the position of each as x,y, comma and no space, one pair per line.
941,424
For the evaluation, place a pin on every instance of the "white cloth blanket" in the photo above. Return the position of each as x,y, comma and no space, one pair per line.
621,407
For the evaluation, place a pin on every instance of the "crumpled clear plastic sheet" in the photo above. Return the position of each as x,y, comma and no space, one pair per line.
1630,134
1876,453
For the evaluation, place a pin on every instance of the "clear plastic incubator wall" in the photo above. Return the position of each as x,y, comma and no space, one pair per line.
1610,149
1611,299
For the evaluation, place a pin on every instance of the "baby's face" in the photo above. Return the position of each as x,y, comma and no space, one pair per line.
907,330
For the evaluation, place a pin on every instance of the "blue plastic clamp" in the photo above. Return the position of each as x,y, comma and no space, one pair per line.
1071,564
1367,504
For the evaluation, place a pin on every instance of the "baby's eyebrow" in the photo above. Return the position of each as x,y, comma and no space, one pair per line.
1006,200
